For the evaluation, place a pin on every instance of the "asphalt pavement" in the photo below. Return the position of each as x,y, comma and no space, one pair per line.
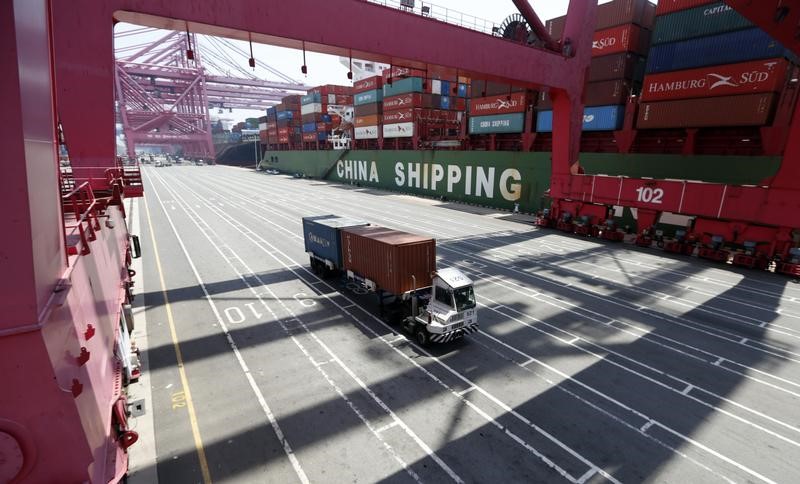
595,361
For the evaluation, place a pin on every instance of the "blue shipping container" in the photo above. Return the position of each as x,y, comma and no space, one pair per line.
326,118
309,127
322,136
497,123
314,97
739,46
271,111
368,97
596,118
445,102
462,90
403,86
284,115
322,236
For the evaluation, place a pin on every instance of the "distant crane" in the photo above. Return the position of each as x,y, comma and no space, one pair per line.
167,85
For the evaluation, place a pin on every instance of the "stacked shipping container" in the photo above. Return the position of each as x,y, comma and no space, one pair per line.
368,109
323,109
289,122
709,67
621,41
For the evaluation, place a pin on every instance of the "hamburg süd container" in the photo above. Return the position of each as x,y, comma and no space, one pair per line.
624,38
725,80
603,93
368,84
368,97
509,103
366,132
322,237
498,123
391,259
729,48
398,130
746,110
712,19
597,118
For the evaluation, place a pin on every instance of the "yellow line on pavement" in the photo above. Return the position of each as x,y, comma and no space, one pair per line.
198,441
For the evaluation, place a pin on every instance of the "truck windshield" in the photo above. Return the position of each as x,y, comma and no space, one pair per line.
465,298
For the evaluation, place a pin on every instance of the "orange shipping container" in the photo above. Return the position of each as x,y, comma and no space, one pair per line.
372,120
389,257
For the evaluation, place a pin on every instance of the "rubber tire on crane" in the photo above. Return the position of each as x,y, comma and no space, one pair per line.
421,336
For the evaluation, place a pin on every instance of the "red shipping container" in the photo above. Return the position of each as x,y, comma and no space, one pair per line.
343,99
510,103
283,139
310,137
290,103
391,259
617,66
272,124
409,100
368,84
262,135
611,14
726,80
625,38
747,110
458,104
332,89
371,120
668,6
404,115
324,127
272,132
283,131
397,72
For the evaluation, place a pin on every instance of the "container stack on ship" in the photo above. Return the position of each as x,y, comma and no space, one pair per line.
713,73
368,109
289,123
621,42
325,110
422,109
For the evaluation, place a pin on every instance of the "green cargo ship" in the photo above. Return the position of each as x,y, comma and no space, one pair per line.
500,179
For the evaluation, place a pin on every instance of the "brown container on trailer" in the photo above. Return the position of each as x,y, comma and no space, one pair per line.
611,14
747,110
389,257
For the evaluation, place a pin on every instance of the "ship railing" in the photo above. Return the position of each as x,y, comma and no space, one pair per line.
80,219
442,14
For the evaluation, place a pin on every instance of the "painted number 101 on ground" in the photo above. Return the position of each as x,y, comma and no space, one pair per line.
650,195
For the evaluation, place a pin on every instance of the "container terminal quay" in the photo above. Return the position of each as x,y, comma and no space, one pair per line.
259,241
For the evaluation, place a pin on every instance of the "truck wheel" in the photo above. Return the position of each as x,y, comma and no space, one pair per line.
422,336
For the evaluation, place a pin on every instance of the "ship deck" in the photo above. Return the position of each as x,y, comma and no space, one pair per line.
594,361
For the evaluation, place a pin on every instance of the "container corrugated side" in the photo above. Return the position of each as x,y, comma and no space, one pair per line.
624,65
510,103
728,48
624,38
611,14
747,110
603,93
312,97
366,132
368,84
597,118
309,127
668,6
498,123
403,86
716,18
368,109
399,130
368,97
371,120
389,257
726,80
321,235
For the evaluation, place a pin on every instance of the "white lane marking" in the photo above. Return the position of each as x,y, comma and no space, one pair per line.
464,392
287,448
743,341
687,389
646,426
264,243
586,476
386,427
719,361
341,364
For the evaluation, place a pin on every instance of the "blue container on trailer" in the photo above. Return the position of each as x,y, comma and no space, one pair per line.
368,97
284,115
595,118
309,127
311,98
729,48
322,236
403,86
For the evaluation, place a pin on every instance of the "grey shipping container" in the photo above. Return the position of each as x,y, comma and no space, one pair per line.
746,110
713,19
322,237
389,258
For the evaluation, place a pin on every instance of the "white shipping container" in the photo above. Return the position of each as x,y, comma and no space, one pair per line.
398,130
366,132
262,126
311,108
436,86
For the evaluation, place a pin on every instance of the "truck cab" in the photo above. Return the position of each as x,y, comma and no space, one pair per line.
451,311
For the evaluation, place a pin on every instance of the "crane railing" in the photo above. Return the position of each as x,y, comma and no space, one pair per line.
80,219
453,17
